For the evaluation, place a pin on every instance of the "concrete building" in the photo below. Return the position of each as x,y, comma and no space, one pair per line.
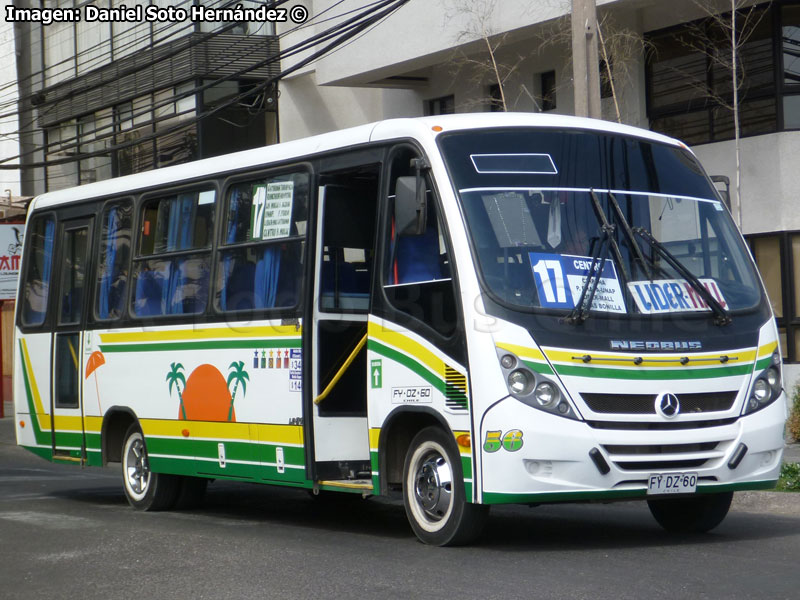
670,73
106,98
119,93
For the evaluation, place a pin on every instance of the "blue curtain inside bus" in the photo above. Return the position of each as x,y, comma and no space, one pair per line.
247,284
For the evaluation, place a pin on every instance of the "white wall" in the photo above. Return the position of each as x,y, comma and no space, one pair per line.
305,109
324,96
770,178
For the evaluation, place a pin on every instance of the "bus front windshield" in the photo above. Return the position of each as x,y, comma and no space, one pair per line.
650,251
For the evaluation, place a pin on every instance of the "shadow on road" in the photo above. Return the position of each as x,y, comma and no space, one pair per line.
552,528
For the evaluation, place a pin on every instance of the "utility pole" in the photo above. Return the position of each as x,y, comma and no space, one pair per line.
585,59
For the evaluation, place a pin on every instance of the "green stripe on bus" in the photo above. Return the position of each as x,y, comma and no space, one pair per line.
204,345
231,471
234,450
46,453
38,435
502,498
409,362
655,374
538,367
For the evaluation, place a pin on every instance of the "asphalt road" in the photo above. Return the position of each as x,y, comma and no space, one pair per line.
69,533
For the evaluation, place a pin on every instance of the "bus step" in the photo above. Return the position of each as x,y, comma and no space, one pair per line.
353,484
58,456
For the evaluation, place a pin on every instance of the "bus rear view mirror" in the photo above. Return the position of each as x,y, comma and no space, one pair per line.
410,205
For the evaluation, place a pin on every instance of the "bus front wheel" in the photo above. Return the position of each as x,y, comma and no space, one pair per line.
433,492
144,489
697,514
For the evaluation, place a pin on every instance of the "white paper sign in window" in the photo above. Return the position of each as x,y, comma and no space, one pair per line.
271,215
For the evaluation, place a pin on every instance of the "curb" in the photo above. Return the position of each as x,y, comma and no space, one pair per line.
774,503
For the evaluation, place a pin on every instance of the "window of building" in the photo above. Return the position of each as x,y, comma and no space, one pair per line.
171,275
689,75
261,259
446,105
495,98
778,259
606,73
790,65
547,85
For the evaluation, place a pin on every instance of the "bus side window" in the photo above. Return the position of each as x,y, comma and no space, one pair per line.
39,269
171,275
115,253
417,278
261,259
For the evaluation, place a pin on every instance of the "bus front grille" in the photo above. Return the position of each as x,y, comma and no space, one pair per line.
645,404
665,457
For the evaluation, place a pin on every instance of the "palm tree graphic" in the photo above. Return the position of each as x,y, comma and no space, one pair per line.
176,379
239,375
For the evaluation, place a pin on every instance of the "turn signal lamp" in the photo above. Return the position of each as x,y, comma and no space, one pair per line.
464,440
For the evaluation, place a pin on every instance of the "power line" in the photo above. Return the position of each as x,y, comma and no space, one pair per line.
188,43
340,34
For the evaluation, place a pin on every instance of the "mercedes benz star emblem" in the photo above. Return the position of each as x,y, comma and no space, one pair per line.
667,405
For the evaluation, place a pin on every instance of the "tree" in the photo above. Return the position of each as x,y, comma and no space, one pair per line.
176,379
482,60
239,376
721,38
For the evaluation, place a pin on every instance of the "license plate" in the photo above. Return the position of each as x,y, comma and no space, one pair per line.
672,483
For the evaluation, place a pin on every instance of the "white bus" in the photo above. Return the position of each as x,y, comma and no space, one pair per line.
474,309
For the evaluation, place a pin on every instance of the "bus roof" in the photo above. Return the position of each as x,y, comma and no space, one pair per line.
418,128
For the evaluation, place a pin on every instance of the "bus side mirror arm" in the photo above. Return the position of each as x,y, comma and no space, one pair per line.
410,201
726,193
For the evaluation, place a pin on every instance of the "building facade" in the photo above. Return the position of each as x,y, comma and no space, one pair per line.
111,95
664,66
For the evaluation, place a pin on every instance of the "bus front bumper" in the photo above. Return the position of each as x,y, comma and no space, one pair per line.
551,459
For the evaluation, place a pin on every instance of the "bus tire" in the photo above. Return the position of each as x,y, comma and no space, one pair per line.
144,489
697,514
433,492
191,492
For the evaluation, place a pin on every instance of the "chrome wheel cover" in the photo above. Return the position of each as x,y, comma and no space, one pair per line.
431,479
137,469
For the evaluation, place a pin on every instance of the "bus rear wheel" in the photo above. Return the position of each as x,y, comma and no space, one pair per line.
697,514
144,489
433,492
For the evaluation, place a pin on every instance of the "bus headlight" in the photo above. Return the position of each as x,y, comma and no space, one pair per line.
761,390
766,388
520,381
534,389
546,394
773,377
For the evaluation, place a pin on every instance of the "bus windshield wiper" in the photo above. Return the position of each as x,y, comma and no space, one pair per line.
605,226
721,316
626,228
581,310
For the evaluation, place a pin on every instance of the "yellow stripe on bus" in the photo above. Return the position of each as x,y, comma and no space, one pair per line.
408,346
214,333
767,349
278,434
522,351
44,418
668,360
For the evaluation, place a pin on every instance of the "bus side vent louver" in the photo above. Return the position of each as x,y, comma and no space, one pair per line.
455,390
